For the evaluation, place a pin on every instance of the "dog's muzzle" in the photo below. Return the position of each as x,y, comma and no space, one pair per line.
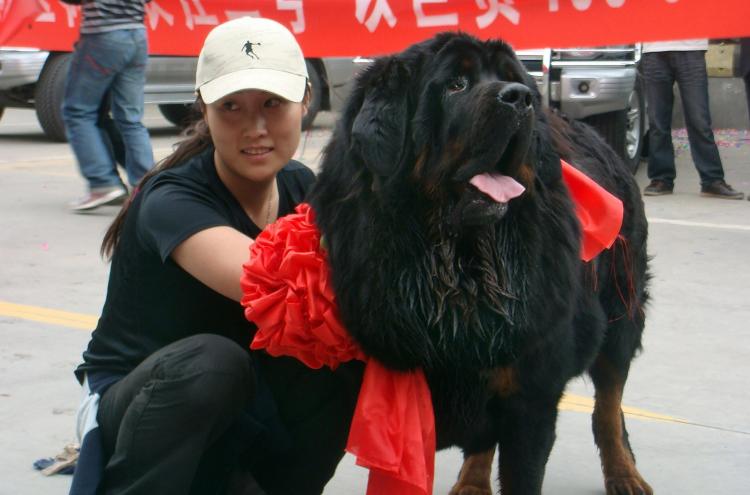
500,140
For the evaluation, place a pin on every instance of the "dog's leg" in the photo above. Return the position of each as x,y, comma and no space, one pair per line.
474,478
618,463
526,438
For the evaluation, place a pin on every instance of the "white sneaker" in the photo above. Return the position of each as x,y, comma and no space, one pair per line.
99,197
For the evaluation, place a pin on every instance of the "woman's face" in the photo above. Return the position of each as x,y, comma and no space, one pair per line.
255,133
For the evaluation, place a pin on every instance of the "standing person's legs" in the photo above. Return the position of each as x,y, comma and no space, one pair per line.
159,421
692,79
658,82
127,107
745,67
110,133
92,70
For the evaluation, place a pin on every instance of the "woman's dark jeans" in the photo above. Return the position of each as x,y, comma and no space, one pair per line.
688,68
193,415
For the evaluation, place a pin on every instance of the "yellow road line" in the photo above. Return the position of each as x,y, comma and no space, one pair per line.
45,315
579,403
569,402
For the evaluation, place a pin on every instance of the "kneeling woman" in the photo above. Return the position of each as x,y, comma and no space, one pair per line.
184,406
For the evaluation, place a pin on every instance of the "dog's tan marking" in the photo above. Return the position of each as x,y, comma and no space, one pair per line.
618,464
474,478
417,171
432,185
504,381
526,176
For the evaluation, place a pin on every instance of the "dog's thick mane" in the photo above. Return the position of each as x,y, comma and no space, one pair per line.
411,291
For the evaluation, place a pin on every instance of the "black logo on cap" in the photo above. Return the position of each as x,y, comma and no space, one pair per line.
248,48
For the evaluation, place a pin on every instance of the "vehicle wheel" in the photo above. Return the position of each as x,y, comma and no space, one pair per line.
179,114
316,98
49,93
635,137
624,129
2,111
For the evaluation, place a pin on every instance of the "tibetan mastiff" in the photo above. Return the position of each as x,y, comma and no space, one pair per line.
454,247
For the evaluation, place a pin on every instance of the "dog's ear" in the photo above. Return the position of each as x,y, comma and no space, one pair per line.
380,128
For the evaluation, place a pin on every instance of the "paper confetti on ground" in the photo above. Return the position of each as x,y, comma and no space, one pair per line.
725,138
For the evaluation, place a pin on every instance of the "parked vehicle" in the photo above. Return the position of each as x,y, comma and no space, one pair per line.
32,78
600,86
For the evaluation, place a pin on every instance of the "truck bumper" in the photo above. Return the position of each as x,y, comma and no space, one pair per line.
19,67
582,92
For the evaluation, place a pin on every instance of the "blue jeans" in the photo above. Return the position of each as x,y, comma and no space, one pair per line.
688,68
113,62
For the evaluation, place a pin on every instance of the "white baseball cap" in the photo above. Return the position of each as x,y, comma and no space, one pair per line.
251,53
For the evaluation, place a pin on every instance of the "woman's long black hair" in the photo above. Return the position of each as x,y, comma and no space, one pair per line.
197,139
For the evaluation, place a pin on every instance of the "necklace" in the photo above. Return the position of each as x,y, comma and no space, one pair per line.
270,203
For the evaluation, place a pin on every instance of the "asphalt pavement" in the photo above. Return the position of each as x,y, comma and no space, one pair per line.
687,400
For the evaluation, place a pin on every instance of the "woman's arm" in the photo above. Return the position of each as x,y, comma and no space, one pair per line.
215,257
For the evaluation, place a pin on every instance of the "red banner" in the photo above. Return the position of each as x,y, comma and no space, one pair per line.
371,27
14,14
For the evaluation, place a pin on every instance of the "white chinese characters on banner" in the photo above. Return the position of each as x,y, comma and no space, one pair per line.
199,18
380,11
424,20
71,13
48,15
155,12
298,24
583,5
496,8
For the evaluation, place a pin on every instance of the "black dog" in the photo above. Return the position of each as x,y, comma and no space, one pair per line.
486,293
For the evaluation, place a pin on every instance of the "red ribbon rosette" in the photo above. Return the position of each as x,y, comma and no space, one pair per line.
287,293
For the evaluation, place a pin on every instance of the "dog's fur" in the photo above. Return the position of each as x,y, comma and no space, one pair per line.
491,300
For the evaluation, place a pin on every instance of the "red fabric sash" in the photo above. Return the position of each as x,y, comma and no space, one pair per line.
599,212
288,294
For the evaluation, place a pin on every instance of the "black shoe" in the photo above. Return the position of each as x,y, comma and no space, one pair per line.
720,189
658,188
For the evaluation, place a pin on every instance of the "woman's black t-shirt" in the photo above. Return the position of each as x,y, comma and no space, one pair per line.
151,301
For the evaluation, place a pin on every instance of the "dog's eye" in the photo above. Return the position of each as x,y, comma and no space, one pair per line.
458,84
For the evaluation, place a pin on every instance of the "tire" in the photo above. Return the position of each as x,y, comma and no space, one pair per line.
49,93
179,114
2,111
623,130
635,137
316,97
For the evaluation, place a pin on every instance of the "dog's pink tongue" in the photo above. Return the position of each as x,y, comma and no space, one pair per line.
499,187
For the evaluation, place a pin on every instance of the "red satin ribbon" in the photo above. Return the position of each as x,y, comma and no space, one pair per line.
288,294
599,212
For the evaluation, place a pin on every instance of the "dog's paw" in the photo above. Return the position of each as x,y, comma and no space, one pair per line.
470,490
628,485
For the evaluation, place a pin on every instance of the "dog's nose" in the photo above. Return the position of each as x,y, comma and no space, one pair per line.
515,94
